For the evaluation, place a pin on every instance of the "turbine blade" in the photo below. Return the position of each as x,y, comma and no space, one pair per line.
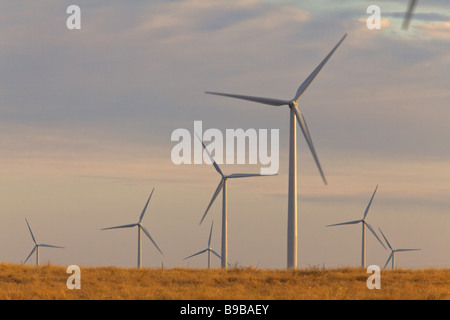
341,224
408,15
304,127
210,234
32,251
31,232
196,254
124,226
150,237
50,246
374,233
389,245
389,259
370,203
145,208
216,193
246,175
269,101
210,157
398,250
217,255
311,77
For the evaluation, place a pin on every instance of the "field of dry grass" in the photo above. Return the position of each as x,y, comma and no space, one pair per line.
49,282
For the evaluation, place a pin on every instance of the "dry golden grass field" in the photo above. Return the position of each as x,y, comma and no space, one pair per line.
107,283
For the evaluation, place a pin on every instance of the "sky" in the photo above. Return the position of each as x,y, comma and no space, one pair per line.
86,118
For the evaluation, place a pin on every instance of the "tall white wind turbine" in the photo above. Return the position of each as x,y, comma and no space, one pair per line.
36,246
364,224
392,255
140,227
223,186
209,250
295,114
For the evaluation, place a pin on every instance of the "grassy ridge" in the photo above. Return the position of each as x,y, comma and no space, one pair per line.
49,282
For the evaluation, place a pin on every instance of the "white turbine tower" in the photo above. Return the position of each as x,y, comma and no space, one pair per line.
295,114
223,186
364,224
140,227
392,255
209,250
36,246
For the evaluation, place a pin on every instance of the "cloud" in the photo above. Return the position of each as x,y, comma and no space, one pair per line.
150,63
191,17
436,30
384,23
428,17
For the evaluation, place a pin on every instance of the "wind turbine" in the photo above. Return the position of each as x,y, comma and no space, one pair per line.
392,255
223,186
409,13
209,250
36,246
295,114
364,224
140,227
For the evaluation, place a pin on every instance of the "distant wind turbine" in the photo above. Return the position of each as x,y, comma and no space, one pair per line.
364,224
223,186
140,227
409,13
295,114
36,246
392,255
209,250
